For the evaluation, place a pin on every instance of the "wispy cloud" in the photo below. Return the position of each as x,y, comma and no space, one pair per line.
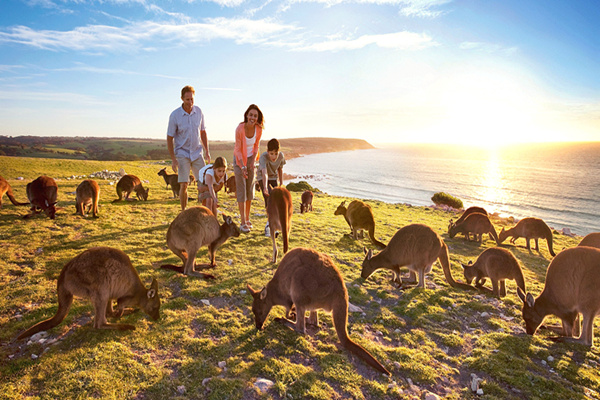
487,47
398,40
409,8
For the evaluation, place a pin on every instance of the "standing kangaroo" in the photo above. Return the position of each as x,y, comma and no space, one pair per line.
42,194
359,216
475,223
5,188
193,228
591,240
279,213
572,282
309,281
87,196
497,264
529,228
414,246
128,184
101,274
170,179
306,201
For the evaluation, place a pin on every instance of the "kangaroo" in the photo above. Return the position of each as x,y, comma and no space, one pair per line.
306,201
279,213
230,184
101,274
170,180
497,264
572,282
309,281
467,212
529,228
42,194
193,228
359,216
591,240
128,184
5,188
417,247
87,195
476,223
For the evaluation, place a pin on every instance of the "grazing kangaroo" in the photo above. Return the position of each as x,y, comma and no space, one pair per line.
591,240
469,211
359,216
414,246
476,223
128,184
306,201
193,228
5,188
309,281
101,274
42,194
497,264
572,282
87,196
529,228
279,213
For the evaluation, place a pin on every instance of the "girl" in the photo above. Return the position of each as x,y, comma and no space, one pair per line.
212,177
245,155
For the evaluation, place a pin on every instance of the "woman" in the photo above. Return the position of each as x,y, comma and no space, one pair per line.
245,155
211,180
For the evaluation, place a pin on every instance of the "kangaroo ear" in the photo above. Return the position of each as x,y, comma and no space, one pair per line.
521,294
464,266
530,300
263,293
369,254
365,250
470,262
153,289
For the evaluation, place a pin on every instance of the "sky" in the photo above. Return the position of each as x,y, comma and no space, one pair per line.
388,71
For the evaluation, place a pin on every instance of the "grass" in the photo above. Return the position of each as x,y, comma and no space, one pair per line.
434,337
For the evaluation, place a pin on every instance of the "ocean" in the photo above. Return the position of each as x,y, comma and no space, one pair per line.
559,183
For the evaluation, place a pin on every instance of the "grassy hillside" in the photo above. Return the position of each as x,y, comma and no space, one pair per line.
89,148
431,339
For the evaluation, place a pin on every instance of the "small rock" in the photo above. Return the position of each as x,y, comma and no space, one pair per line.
205,302
222,364
243,292
475,381
353,308
205,381
181,389
34,356
397,364
480,392
550,358
432,396
121,172
485,314
230,261
263,385
544,362
38,336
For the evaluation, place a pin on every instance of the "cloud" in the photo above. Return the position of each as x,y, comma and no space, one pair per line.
398,40
487,47
408,8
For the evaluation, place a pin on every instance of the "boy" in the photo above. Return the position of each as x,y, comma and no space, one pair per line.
270,171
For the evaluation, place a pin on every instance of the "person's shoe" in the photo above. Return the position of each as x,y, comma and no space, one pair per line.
244,228
249,225
267,231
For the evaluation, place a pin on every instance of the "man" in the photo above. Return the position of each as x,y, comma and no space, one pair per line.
186,138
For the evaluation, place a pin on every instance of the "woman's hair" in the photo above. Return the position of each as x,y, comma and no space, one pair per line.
187,89
260,121
220,162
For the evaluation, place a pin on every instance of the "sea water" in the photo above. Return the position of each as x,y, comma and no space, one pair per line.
559,183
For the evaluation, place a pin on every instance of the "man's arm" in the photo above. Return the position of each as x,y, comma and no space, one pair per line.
174,163
204,140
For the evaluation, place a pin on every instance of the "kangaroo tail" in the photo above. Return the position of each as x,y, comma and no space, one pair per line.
65,299
12,199
373,240
444,259
340,320
549,240
284,221
177,268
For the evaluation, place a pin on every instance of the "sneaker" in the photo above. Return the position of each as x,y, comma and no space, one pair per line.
244,228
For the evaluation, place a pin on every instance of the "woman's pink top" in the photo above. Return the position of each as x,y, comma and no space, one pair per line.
240,151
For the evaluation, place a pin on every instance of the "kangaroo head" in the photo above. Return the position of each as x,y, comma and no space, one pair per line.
367,267
341,210
530,315
162,172
50,209
452,230
231,229
145,194
450,225
469,272
260,306
152,304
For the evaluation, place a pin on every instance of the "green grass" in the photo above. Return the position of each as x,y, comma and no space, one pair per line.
435,337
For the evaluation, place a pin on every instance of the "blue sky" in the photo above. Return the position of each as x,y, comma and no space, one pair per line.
481,72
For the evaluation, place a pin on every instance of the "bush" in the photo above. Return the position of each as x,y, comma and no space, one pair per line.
300,187
446,199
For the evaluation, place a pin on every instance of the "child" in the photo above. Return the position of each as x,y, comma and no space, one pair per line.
212,177
270,171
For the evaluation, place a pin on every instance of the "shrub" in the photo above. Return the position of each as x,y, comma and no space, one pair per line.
300,187
446,199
